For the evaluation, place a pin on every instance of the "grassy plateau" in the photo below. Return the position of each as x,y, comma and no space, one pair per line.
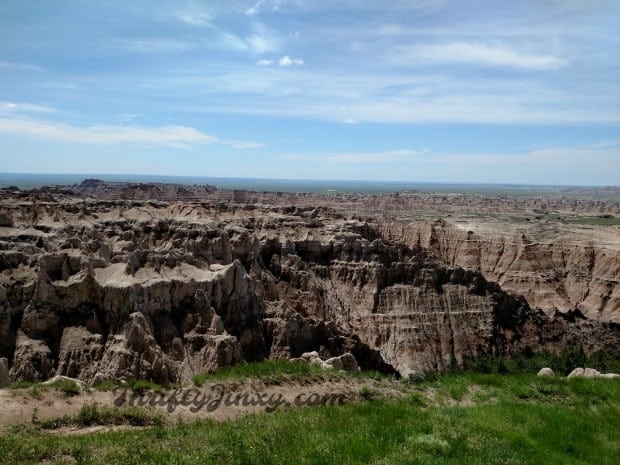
460,418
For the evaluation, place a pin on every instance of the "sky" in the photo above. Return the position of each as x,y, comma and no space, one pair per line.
479,91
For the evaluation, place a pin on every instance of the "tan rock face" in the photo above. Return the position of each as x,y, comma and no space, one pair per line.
33,360
80,353
102,288
563,274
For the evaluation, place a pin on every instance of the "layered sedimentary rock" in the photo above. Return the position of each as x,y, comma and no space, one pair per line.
562,274
98,287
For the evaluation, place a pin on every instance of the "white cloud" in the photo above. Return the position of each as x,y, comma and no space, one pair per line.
261,5
261,44
23,107
254,9
288,61
394,97
284,62
478,54
230,41
172,136
254,43
20,66
196,18
239,144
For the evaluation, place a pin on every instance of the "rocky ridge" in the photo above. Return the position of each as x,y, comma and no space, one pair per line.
161,282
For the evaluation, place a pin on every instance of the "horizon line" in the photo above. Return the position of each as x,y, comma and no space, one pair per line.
315,180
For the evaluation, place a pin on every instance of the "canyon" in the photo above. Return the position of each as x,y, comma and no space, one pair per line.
110,281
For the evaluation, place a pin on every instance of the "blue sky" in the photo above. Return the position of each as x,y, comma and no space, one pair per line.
430,90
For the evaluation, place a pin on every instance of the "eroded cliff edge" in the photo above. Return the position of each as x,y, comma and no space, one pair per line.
559,274
99,287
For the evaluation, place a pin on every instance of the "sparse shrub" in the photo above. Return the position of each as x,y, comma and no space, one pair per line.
88,415
92,414
502,367
108,385
34,387
571,358
372,374
200,379
431,376
35,390
55,423
367,393
530,362
273,371
21,384
69,387
482,364
140,386
417,398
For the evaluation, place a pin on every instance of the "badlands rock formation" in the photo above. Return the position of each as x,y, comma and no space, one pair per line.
562,274
161,282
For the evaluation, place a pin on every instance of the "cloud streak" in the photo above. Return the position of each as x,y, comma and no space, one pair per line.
9,65
23,107
552,165
262,5
286,61
465,53
196,18
171,136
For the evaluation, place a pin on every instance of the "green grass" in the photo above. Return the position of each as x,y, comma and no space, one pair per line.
275,371
367,393
68,387
141,386
562,364
22,384
34,387
601,220
519,419
92,414
568,218
107,385
596,220
453,387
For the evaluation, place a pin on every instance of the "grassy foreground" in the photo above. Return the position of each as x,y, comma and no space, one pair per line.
515,419
277,371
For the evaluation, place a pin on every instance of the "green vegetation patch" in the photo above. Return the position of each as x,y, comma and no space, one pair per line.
530,420
93,414
67,386
531,362
600,220
274,371
141,386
